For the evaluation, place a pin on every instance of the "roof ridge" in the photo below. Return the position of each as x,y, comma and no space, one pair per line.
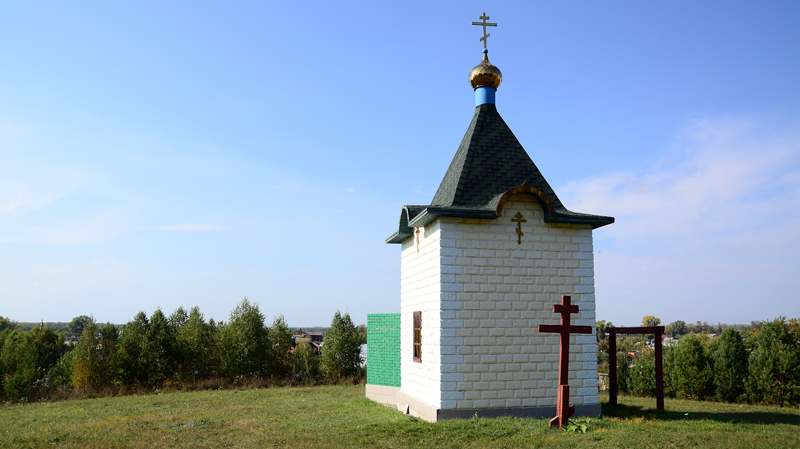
489,165
489,161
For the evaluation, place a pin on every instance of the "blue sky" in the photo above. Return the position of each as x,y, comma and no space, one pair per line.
159,154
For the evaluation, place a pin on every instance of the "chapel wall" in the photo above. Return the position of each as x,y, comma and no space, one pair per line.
420,290
492,354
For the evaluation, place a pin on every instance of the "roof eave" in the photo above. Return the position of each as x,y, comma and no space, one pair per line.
430,214
398,237
595,221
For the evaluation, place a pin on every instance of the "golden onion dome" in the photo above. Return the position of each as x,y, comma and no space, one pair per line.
485,74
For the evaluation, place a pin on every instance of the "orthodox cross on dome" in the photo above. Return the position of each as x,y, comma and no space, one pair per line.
484,24
563,409
519,220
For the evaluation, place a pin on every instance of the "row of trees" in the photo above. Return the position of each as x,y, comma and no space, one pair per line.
179,349
762,368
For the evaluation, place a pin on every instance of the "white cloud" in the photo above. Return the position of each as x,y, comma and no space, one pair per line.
731,180
705,232
190,227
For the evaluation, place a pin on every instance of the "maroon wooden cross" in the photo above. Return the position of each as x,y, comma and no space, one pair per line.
563,409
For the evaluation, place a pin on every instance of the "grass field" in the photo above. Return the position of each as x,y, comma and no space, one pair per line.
340,416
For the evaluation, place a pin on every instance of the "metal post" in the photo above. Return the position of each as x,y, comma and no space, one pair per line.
612,366
659,371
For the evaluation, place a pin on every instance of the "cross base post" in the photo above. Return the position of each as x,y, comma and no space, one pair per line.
563,410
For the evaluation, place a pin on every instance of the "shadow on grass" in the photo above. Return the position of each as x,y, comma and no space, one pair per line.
752,417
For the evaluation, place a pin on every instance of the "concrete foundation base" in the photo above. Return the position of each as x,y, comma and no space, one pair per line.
393,397
383,395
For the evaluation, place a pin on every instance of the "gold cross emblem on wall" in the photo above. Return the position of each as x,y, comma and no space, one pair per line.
519,220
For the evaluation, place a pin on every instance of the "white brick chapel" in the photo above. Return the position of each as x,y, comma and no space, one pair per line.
481,268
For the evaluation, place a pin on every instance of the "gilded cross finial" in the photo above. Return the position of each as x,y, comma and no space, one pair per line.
484,24
519,220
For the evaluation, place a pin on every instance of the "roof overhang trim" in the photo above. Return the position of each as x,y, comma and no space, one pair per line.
417,216
432,213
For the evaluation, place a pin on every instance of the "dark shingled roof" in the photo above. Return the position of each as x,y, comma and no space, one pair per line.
489,164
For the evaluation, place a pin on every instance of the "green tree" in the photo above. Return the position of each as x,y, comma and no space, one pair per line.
623,372
196,339
177,321
77,324
362,332
676,329
94,359
692,376
25,358
87,370
601,328
6,323
642,377
650,321
341,350
305,362
243,343
60,375
49,347
159,349
730,366
668,364
280,339
18,368
108,348
131,354
774,365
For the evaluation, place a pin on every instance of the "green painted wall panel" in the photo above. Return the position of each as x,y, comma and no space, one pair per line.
383,349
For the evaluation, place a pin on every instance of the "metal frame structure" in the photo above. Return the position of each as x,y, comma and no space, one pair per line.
657,331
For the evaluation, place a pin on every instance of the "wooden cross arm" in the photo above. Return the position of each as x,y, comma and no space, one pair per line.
558,308
559,328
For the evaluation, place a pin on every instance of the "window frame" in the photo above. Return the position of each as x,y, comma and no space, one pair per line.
416,336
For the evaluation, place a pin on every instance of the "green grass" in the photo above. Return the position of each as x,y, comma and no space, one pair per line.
340,416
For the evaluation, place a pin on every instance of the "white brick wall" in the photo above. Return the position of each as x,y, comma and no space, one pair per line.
420,290
483,296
